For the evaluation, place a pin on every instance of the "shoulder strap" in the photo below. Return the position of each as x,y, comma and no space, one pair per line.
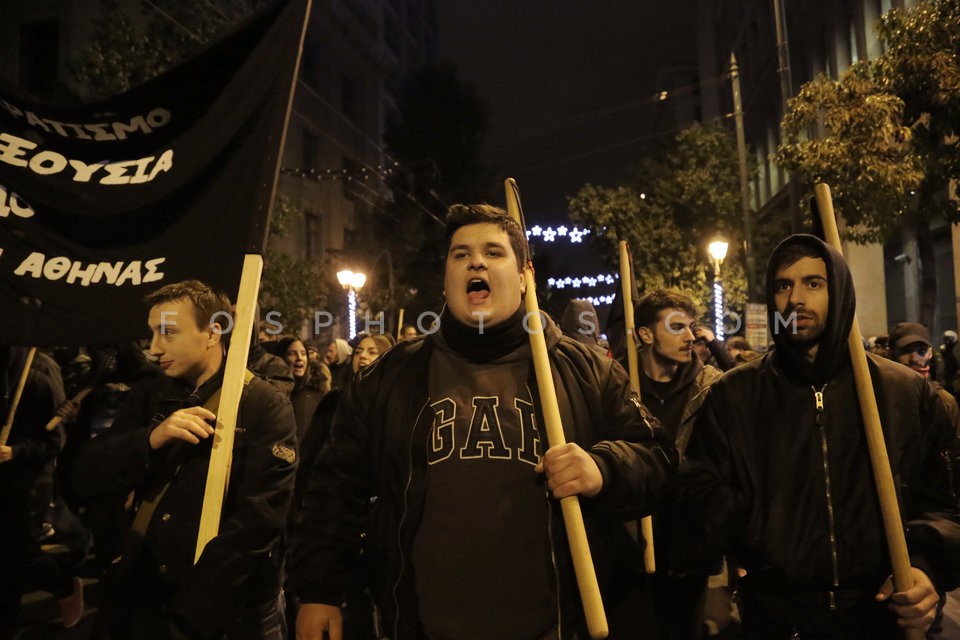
147,506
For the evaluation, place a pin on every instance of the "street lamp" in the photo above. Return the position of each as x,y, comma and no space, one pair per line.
718,251
351,282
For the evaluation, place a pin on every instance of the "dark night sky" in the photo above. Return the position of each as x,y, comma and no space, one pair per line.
568,85
564,79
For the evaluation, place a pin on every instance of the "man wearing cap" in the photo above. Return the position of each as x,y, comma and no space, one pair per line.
910,345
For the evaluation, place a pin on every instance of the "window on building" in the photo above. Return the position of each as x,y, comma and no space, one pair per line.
39,55
311,148
310,62
313,240
352,100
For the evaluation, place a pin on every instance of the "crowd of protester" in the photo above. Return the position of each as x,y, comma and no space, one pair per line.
325,482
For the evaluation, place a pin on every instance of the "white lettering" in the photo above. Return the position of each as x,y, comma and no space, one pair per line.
83,170
131,273
137,123
328,321
432,327
216,327
77,270
11,203
56,268
48,162
165,163
13,148
32,265
152,275
110,271
100,131
158,118
275,327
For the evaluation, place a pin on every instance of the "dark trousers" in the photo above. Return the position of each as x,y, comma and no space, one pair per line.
657,607
24,567
806,615
145,620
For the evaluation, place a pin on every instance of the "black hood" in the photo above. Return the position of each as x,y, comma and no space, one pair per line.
833,352
579,321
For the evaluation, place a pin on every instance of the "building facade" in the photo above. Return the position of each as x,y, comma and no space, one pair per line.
822,37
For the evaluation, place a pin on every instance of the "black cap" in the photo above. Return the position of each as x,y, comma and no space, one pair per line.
906,333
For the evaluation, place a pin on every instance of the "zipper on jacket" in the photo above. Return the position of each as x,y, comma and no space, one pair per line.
821,423
403,519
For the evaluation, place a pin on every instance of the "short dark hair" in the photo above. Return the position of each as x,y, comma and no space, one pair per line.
739,342
207,303
461,215
650,306
791,253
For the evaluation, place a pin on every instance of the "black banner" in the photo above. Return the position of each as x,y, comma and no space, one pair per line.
103,203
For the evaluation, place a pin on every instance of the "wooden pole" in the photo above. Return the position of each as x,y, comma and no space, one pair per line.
633,368
883,477
21,383
400,325
570,506
221,456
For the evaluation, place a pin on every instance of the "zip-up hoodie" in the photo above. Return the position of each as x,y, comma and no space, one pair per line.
779,469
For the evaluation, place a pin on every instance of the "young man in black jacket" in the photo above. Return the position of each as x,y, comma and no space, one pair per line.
159,448
673,385
779,466
465,538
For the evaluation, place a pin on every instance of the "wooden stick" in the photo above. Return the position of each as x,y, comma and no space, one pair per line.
633,368
879,461
21,383
570,506
400,325
221,456
56,421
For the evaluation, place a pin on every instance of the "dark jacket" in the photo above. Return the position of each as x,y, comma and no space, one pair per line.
32,445
677,408
779,467
378,448
241,566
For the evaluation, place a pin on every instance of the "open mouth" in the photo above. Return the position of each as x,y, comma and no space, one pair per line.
477,291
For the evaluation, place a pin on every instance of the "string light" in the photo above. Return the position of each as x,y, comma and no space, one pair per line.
583,281
549,234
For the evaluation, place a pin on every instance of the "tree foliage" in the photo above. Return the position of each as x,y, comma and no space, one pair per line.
294,287
692,194
132,45
884,136
436,143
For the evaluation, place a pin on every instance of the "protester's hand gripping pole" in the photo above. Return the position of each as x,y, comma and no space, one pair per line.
633,368
570,506
15,402
221,456
879,461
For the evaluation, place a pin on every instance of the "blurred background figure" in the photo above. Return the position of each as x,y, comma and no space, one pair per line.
338,360
408,332
311,381
579,321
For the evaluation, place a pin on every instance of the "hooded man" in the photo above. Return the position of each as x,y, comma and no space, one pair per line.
779,467
465,539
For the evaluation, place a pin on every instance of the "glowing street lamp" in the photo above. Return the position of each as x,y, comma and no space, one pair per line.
718,251
352,282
